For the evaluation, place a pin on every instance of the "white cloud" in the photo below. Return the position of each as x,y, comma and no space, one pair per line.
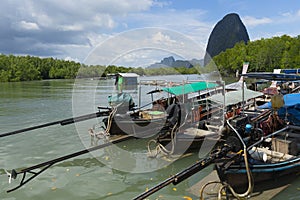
75,27
71,29
141,57
162,3
252,21
286,14
159,37
288,18
62,25
140,47
68,58
91,15
23,25
188,22
104,20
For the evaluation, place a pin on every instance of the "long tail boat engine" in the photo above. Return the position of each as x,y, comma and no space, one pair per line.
239,123
252,134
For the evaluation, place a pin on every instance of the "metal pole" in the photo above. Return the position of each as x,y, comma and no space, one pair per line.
140,95
243,94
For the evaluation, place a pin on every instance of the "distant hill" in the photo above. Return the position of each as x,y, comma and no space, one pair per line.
195,62
227,32
171,62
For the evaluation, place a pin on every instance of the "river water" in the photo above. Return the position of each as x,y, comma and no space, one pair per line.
104,174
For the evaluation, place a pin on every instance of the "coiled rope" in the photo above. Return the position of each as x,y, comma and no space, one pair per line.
161,148
106,132
227,186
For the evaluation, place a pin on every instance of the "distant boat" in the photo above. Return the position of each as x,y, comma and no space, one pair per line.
291,71
272,76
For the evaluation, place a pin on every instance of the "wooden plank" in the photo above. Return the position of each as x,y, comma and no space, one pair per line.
211,191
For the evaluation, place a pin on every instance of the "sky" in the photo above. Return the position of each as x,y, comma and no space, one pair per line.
124,32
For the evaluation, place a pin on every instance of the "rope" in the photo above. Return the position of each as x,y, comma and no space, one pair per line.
161,148
226,185
250,182
110,118
105,133
204,186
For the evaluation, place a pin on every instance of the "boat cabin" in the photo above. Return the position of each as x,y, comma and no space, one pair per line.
126,81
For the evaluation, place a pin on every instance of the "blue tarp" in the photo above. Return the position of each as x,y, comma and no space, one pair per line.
290,110
289,100
291,114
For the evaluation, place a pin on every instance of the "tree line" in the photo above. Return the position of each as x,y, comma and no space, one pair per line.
263,55
27,68
103,71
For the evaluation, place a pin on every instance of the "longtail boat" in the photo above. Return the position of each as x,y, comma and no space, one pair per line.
164,114
272,162
271,153
191,136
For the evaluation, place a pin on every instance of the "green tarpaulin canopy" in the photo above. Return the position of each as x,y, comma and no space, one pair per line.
189,88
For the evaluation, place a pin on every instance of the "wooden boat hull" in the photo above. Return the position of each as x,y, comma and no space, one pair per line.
138,127
189,140
265,176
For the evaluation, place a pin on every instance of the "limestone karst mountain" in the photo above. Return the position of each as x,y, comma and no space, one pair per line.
227,32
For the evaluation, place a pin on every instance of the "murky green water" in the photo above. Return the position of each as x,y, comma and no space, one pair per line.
117,172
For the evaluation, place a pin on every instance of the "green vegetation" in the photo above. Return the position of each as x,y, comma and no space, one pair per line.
169,71
28,68
263,55
103,71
